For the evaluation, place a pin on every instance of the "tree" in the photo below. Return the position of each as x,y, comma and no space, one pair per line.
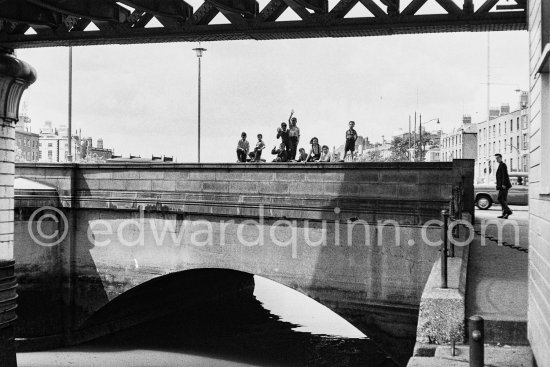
399,149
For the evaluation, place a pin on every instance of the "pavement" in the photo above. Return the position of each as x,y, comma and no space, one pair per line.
496,289
497,280
505,356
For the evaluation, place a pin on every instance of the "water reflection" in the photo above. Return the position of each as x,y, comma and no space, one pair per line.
275,327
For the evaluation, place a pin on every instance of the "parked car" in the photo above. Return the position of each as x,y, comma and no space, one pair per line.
486,194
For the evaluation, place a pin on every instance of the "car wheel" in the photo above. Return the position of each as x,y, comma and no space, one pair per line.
484,202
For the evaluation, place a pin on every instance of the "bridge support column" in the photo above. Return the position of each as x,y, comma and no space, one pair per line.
15,77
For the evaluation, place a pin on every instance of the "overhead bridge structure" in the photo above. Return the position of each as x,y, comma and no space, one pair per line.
44,23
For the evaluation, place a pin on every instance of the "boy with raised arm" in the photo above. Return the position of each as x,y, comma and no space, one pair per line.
294,136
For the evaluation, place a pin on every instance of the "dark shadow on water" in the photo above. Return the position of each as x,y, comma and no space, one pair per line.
240,330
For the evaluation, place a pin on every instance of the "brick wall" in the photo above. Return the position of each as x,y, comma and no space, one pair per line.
539,198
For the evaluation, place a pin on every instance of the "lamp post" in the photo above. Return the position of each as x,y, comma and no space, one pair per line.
199,51
421,146
70,112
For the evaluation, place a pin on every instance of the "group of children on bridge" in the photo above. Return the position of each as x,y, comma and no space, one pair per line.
290,137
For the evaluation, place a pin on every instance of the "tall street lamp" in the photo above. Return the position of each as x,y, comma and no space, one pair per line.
199,51
421,147
70,112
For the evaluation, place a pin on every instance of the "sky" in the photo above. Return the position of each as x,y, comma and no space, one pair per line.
142,99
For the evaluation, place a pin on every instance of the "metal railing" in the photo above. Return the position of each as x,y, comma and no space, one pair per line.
454,213
475,323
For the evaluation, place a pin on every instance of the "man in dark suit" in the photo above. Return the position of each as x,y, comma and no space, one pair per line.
503,185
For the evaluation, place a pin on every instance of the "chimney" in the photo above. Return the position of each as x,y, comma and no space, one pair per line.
523,100
466,119
504,109
493,113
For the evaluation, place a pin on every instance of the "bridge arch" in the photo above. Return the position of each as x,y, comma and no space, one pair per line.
212,290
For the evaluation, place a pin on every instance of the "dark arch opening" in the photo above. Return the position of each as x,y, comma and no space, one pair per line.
214,313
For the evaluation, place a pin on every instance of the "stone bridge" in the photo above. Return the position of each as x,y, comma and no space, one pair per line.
351,236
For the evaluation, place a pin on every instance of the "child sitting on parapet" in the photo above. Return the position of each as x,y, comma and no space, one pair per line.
256,155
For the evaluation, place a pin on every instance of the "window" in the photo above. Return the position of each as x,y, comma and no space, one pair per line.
499,130
525,142
511,164
49,145
50,154
517,142
511,125
518,124
505,127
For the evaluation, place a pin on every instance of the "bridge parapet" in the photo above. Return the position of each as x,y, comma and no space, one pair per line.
410,193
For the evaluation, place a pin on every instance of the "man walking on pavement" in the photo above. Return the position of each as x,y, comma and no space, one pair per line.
503,185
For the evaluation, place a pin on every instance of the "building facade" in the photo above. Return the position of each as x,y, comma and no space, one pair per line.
54,146
26,142
461,143
507,134
538,314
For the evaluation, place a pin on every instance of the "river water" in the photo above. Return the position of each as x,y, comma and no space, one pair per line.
276,327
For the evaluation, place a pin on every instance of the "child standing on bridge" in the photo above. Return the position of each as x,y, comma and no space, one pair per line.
284,134
351,137
294,136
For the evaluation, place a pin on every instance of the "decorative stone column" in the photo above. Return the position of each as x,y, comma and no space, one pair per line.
15,77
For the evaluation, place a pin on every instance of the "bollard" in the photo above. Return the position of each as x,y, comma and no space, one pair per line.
453,349
445,219
477,353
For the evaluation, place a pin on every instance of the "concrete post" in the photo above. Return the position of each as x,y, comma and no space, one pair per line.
15,77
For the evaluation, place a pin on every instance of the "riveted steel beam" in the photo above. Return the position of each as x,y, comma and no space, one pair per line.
63,22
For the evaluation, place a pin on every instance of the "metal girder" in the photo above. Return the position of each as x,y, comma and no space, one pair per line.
20,11
373,8
342,8
318,6
450,7
162,8
103,10
413,7
204,14
519,4
62,22
393,6
487,6
246,8
272,11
